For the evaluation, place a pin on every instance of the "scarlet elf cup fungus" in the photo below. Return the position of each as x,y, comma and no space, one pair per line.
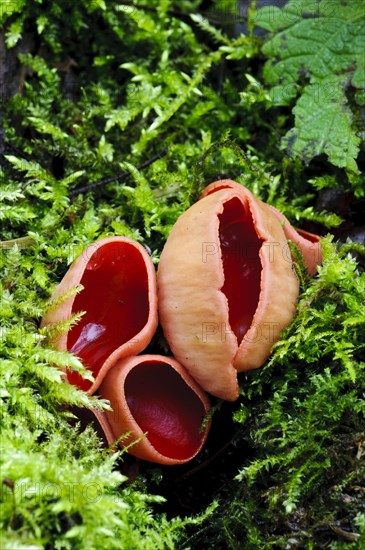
152,397
120,305
163,408
225,288
307,242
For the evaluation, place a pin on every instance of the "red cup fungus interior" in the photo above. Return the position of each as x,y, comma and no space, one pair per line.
242,267
115,302
309,236
164,405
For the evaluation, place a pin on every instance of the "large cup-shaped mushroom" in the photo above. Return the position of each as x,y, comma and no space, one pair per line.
120,305
226,288
163,408
309,243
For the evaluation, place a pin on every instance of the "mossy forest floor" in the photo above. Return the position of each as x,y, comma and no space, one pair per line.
114,116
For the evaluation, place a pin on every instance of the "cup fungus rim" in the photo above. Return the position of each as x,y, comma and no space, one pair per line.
138,440
73,277
266,227
308,243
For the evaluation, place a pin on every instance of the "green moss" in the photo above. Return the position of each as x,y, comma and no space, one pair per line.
284,466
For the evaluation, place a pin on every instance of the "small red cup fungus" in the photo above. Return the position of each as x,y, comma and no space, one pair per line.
226,287
159,404
120,304
309,243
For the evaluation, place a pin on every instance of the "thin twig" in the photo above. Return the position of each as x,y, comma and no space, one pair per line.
115,178
9,147
21,242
